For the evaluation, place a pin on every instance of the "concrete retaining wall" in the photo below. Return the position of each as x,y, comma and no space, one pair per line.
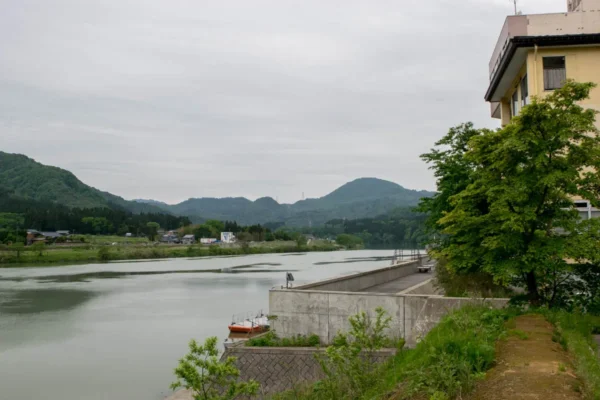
427,287
364,280
326,313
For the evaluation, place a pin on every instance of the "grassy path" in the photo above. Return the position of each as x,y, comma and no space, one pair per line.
530,366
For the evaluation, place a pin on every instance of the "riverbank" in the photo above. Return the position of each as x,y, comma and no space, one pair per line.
97,253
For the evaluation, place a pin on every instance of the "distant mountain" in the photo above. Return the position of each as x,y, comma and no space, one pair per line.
26,178
361,198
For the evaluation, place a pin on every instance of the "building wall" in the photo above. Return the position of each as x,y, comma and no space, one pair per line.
582,64
583,5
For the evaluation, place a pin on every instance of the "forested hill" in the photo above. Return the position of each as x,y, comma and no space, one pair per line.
25,178
361,198
28,179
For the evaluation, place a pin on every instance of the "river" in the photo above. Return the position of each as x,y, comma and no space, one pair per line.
115,331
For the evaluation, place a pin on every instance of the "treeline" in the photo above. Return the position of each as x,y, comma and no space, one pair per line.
256,233
20,214
401,228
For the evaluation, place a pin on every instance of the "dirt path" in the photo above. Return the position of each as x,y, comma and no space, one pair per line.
529,368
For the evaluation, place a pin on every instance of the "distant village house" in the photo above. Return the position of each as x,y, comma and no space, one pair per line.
188,239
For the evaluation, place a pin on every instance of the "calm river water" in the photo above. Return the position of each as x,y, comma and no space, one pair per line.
115,331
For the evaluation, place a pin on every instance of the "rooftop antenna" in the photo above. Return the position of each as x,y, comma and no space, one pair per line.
515,3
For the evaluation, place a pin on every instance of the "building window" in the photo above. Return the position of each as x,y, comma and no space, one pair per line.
524,92
515,103
555,72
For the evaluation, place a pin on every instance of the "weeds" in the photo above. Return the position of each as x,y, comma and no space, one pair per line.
453,356
270,339
574,333
562,367
518,333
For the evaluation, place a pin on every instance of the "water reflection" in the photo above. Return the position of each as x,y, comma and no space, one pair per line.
116,330
88,276
34,301
355,260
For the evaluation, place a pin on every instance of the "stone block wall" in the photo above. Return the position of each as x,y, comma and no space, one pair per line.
279,369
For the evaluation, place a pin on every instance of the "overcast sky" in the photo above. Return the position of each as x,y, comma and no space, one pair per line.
176,99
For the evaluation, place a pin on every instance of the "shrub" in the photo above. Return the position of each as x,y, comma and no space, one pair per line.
104,253
270,339
209,379
349,364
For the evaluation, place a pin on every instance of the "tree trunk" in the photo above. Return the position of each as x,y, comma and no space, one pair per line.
532,288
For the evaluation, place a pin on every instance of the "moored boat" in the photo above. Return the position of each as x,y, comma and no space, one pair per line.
249,323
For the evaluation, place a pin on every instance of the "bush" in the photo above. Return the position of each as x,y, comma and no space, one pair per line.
209,379
349,364
104,253
270,339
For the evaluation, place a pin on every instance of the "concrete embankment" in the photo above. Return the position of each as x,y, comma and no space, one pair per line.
320,309
323,308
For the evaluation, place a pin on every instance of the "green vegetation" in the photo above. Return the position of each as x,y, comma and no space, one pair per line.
448,361
399,228
505,206
270,339
574,332
27,179
349,241
208,379
361,198
21,214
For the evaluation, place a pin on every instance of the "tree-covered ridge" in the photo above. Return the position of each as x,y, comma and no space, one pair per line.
361,198
19,214
29,179
400,228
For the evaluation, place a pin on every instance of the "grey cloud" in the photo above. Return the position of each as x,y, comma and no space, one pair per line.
169,100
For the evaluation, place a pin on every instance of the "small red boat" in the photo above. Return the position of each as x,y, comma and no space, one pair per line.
249,324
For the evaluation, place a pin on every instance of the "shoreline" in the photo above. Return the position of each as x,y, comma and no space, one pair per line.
50,256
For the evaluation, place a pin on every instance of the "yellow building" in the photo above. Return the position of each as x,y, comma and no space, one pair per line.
536,53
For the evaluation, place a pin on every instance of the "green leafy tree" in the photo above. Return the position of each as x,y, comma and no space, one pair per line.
452,170
208,379
349,241
38,248
516,215
152,230
216,226
17,248
204,231
301,241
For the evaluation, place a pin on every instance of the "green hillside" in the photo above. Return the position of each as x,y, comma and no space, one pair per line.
29,179
361,198
25,178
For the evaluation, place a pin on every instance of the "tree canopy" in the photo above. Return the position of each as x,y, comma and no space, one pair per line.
510,193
